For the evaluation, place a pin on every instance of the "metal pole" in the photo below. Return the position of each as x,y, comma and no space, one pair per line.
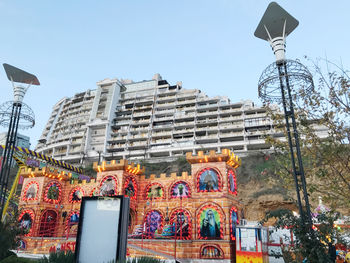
298,170
8,152
286,115
297,146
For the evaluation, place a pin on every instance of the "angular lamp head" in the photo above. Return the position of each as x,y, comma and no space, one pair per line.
17,75
275,25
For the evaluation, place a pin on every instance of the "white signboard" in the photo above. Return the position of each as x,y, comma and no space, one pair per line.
99,231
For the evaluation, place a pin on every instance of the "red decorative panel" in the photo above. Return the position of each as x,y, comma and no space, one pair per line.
233,221
208,180
76,195
154,223
212,251
26,220
130,188
154,191
209,225
180,189
53,192
181,223
232,184
31,191
108,186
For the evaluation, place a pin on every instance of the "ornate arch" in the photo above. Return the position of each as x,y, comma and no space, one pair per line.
210,221
53,192
209,179
211,251
154,222
48,223
26,221
181,221
76,195
108,186
233,221
175,190
232,182
130,187
31,191
154,191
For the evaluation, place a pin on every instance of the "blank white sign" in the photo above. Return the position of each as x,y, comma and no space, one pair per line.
99,230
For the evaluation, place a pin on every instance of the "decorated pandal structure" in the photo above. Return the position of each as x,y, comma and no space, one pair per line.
184,216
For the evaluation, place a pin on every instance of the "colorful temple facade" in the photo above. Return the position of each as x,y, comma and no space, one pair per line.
185,216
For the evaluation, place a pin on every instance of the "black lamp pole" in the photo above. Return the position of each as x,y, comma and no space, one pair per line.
277,83
13,121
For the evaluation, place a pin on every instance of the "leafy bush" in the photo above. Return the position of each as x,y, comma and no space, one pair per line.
9,231
311,242
15,259
59,257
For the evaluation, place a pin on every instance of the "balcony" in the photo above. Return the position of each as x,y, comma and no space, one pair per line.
164,111
144,113
183,102
163,133
230,134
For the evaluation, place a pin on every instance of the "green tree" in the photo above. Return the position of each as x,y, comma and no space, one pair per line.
325,151
9,231
313,247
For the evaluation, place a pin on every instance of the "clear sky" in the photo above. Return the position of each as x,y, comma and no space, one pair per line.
206,44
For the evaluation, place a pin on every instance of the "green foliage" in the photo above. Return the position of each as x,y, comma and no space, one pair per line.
326,157
313,244
251,168
177,166
59,257
15,259
9,230
89,170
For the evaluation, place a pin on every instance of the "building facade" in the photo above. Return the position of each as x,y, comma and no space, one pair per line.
188,216
151,119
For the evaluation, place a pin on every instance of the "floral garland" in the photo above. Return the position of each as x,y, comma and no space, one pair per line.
231,172
218,176
31,214
177,183
173,219
25,198
49,200
127,181
233,210
199,221
162,195
78,188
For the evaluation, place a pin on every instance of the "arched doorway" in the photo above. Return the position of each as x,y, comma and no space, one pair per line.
48,223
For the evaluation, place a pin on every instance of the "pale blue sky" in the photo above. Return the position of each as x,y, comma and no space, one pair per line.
206,44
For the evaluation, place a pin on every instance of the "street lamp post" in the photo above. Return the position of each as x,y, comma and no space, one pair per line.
279,82
19,116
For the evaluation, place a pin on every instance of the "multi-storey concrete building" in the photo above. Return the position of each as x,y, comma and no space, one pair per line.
150,119
21,140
